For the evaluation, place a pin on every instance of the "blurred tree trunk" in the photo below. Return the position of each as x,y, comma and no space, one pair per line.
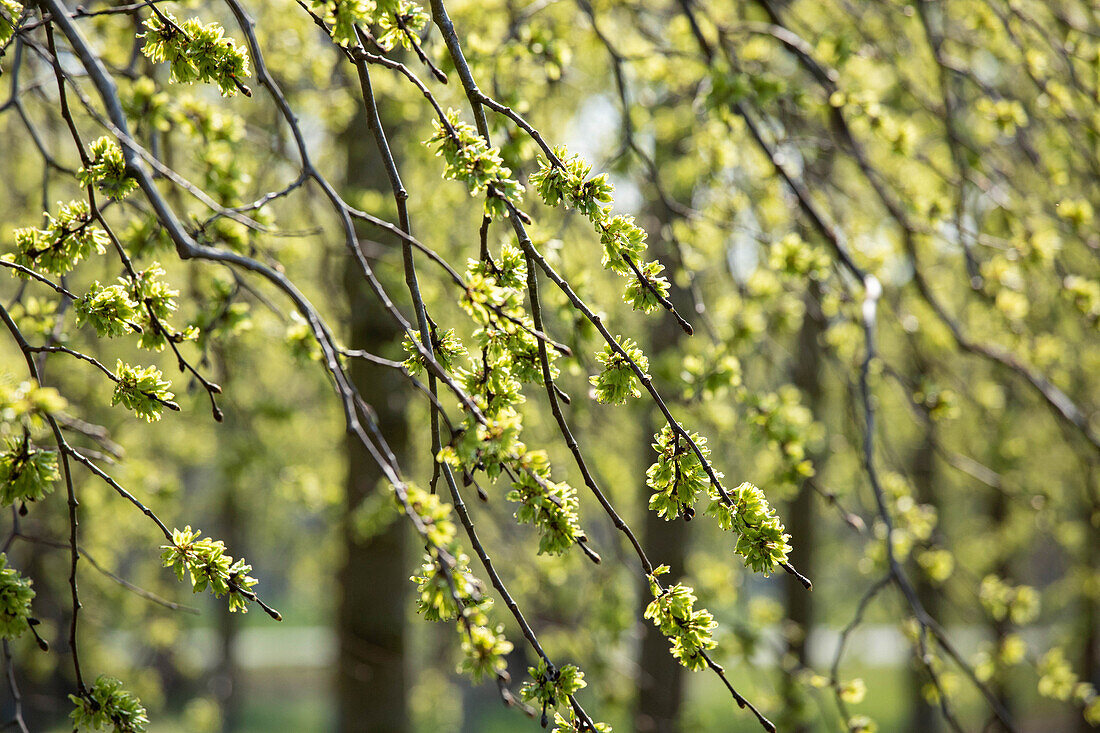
660,683
372,682
924,716
1090,613
806,375
227,673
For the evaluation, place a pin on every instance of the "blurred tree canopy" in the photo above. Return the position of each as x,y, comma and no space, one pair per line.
615,324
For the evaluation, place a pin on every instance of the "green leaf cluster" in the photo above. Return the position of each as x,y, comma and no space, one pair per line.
678,476
108,309
673,612
623,240
399,24
549,505
106,170
205,562
551,687
62,243
461,597
107,706
469,159
342,16
26,473
762,540
16,595
447,349
195,52
618,382
143,390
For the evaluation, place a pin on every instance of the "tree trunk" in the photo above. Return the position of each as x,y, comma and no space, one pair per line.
800,521
372,682
660,682
924,716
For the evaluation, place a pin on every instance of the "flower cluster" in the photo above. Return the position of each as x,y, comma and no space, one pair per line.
26,473
398,21
342,16
108,309
762,540
447,348
673,612
196,52
62,243
550,506
16,595
106,170
618,382
1002,600
155,300
678,476
205,562
469,159
623,240
107,706
143,390
551,687
461,596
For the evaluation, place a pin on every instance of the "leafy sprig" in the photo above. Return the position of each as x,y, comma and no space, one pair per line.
16,595
143,390
108,706
26,473
618,382
106,170
678,477
196,52
205,562
673,612
62,243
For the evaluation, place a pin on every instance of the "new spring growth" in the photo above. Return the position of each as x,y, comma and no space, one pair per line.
62,243
551,688
109,309
156,300
341,16
447,349
678,476
624,245
16,595
143,390
196,52
106,170
461,597
673,612
206,564
762,541
107,706
398,21
550,506
26,473
469,159
617,382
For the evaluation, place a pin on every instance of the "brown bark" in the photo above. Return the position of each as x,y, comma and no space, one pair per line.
800,520
372,682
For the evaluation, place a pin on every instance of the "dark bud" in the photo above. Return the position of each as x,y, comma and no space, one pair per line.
23,509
